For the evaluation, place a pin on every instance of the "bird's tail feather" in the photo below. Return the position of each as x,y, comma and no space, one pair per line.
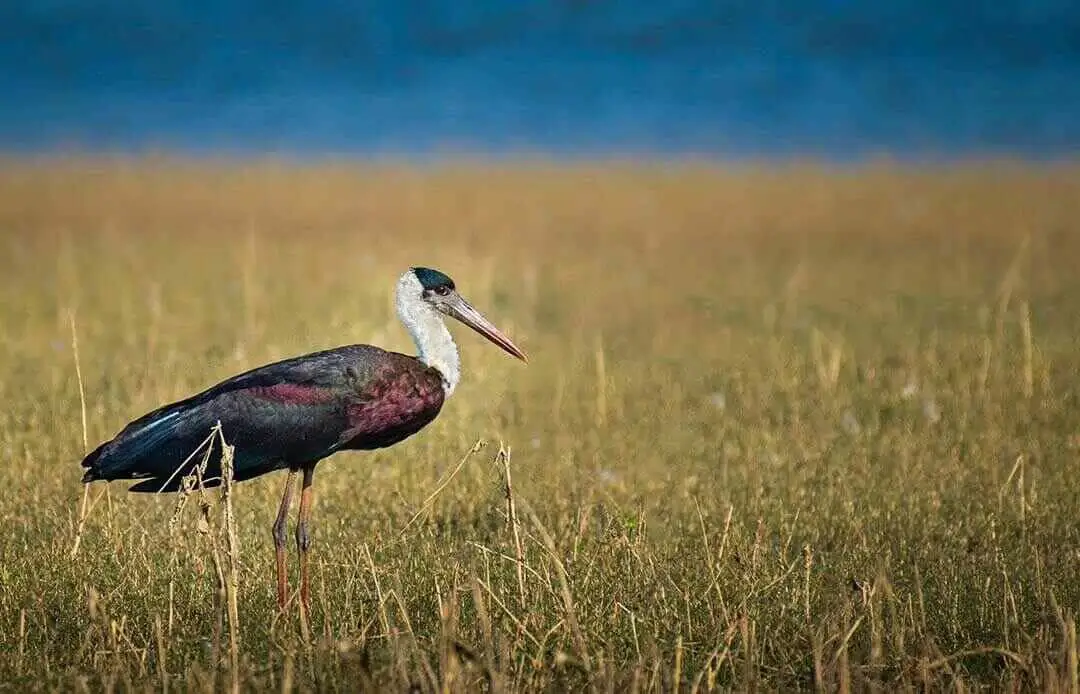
125,456
90,462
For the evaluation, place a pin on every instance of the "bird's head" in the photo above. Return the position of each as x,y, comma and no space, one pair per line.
437,291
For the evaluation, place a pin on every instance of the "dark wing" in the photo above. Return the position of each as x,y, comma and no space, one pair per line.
287,414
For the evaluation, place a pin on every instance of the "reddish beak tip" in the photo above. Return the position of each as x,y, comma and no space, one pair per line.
472,318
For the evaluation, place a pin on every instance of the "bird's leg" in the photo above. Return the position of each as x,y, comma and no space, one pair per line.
280,526
303,539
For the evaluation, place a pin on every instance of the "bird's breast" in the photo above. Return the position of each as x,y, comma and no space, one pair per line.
393,406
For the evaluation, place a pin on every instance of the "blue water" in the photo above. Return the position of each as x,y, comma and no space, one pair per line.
833,78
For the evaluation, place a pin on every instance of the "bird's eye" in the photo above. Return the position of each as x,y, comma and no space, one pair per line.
442,290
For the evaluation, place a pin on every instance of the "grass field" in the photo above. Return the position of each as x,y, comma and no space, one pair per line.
781,427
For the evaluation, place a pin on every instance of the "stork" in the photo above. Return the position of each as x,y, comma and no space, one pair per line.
291,414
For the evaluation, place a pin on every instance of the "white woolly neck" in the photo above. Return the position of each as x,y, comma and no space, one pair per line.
428,330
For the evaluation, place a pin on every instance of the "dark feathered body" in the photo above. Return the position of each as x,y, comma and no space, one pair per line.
289,414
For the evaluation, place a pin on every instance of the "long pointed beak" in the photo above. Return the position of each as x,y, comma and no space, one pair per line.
461,310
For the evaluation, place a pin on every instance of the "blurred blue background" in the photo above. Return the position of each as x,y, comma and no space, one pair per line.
831,78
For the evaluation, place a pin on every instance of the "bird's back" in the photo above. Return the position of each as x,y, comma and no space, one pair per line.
290,413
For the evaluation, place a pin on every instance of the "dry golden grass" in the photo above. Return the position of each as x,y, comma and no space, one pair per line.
781,427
